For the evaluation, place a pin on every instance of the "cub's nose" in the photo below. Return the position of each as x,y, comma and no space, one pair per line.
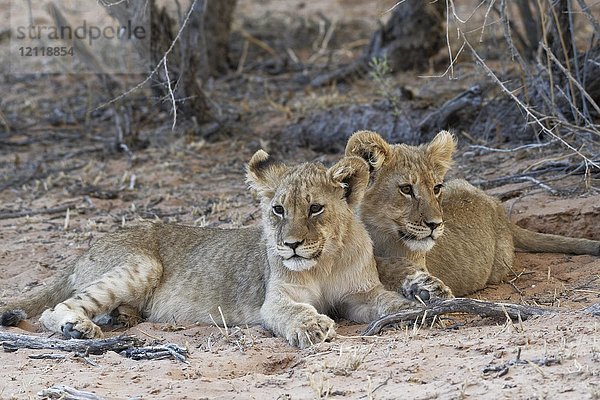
293,245
433,225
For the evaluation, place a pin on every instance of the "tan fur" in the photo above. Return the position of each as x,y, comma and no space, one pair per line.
474,246
172,273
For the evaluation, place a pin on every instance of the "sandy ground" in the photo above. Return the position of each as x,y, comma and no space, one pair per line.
420,364
423,362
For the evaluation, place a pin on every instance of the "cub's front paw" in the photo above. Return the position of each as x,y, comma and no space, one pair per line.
71,325
85,329
310,330
126,316
425,286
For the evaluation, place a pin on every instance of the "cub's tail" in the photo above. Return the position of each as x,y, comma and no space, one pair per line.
545,243
59,290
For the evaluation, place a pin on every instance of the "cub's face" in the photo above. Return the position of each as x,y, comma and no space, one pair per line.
405,195
302,215
405,201
307,209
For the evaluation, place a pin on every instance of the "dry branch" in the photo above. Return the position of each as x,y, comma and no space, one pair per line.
38,173
594,309
571,79
438,119
458,305
128,346
156,352
483,184
64,392
14,341
53,210
47,356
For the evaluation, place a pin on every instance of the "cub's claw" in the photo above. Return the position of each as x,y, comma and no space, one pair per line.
69,332
425,286
81,330
312,330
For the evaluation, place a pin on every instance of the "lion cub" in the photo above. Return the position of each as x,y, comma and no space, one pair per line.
311,257
469,245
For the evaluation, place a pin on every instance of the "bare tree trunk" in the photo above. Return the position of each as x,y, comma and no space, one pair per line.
187,71
558,30
199,53
531,26
219,15
413,34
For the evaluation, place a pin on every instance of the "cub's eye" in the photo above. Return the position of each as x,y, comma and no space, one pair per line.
316,209
278,210
406,190
437,189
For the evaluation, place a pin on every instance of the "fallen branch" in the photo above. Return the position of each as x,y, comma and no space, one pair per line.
594,309
13,342
64,392
438,119
21,180
53,210
458,305
517,179
127,346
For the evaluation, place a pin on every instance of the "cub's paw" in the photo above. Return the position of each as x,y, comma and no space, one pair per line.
392,303
128,320
84,329
310,330
425,286
122,316
72,325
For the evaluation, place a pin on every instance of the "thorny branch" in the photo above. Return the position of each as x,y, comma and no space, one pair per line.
541,82
524,106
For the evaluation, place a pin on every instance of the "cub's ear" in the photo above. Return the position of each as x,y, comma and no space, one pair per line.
351,173
263,173
369,146
440,150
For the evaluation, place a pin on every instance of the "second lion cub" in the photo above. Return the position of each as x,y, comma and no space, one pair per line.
457,232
